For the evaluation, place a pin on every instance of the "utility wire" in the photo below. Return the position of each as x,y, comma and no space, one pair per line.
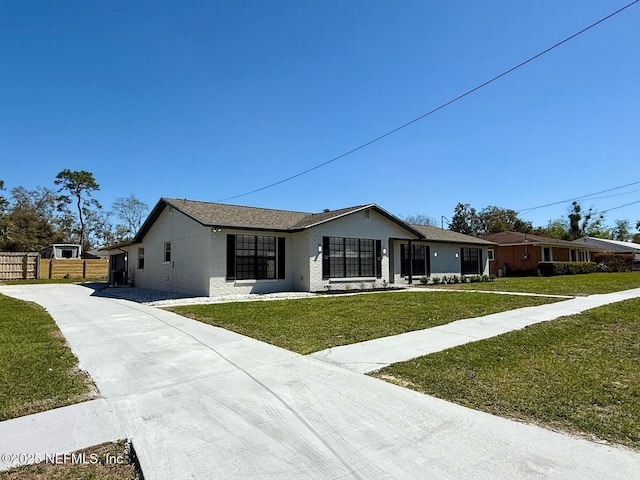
614,195
528,210
431,112
616,208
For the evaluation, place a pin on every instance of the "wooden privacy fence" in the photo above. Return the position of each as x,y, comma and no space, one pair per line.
29,265
73,268
19,265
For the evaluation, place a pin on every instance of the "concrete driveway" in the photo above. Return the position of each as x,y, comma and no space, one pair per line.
201,402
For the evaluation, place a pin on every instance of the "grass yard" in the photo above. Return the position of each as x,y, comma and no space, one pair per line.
578,374
312,324
37,370
587,284
108,461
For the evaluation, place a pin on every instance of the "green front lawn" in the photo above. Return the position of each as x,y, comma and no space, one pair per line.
574,285
579,374
37,370
312,324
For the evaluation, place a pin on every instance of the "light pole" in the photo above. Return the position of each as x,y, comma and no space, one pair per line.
442,219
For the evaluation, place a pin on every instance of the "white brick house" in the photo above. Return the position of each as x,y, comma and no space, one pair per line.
208,249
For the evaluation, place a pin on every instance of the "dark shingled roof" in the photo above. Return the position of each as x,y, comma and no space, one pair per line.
236,216
511,238
436,234
220,214
316,218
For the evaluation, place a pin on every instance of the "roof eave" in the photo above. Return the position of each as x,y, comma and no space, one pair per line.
116,246
375,207
462,242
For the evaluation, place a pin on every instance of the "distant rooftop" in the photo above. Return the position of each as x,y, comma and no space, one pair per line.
517,238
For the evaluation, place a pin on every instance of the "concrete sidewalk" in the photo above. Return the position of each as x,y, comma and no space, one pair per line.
365,357
201,402
58,431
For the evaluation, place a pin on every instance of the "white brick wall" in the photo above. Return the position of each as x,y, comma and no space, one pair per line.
199,256
355,225
218,283
190,266
301,251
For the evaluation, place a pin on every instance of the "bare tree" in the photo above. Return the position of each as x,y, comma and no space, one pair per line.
419,219
131,212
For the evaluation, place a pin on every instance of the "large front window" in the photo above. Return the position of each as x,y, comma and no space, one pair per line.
414,260
351,257
471,261
255,257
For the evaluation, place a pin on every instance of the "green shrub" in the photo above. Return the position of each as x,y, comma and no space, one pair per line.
436,280
424,280
548,269
614,262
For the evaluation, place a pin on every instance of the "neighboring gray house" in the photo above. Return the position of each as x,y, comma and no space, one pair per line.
614,246
441,252
207,249
62,250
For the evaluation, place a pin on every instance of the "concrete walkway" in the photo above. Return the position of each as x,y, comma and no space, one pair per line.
201,402
365,357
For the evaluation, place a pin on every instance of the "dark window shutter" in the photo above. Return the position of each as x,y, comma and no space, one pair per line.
326,263
231,257
403,263
379,258
480,269
428,255
281,258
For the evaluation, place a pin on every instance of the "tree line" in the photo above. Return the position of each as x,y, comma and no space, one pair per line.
577,223
65,213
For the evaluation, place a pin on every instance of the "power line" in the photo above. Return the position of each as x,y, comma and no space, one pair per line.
431,112
528,210
615,195
616,208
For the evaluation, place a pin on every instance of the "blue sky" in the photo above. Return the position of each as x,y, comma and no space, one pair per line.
209,100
